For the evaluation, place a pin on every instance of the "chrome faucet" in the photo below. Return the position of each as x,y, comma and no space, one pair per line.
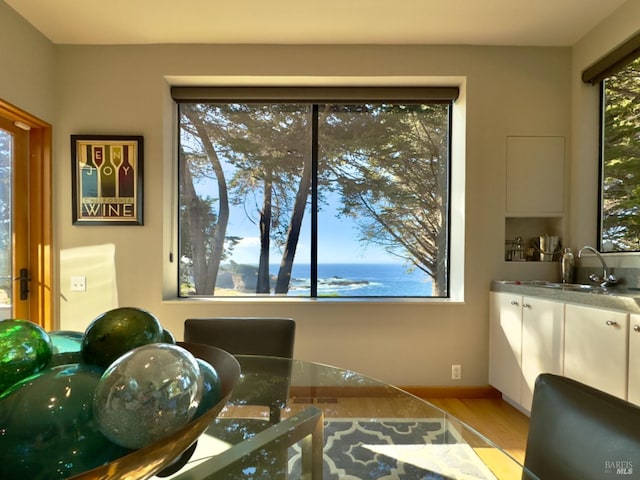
607,278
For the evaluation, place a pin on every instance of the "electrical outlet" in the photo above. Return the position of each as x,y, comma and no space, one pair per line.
456,372
79,284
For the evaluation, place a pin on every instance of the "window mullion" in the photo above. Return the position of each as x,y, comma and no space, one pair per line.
314,201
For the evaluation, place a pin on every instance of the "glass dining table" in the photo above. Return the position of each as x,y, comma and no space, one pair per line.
299,419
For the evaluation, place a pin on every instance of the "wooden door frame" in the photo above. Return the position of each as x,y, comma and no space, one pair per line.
40,218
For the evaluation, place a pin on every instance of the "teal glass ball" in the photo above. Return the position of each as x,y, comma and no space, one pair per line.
25,348
67,347
147,394
48,426
211,387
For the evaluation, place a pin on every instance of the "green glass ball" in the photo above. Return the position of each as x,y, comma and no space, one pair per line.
115,332
49,428
25,348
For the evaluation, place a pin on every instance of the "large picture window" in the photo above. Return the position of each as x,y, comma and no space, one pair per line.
345,198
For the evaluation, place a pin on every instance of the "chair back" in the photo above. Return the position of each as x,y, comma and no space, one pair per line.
244,335
266,336
577,432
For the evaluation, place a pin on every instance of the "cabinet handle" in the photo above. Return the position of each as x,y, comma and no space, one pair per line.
636,328
526,305
611,323
514,303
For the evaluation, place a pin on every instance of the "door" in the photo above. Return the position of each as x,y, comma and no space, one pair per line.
14,288
505,344
542,343
634,360
25,217
596,348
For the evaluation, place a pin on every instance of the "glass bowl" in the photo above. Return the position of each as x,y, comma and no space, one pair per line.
152,459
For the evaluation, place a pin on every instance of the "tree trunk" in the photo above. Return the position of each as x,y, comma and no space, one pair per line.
205,283
264,284
293,234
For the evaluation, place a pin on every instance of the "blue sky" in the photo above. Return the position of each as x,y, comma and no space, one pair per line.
338,242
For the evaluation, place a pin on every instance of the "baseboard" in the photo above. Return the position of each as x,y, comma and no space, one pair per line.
452,392
423,392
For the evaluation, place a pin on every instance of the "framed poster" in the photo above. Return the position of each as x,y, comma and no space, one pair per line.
107,179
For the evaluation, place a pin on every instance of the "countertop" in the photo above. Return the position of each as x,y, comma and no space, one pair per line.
613,298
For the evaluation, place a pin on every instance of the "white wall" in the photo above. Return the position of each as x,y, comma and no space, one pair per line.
509,91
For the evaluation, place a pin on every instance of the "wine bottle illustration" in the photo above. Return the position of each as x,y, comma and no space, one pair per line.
126,180
107,175
89,174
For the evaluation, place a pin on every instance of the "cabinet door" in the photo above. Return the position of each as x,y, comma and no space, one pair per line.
542,342
535,175
595,348
505,344
634,360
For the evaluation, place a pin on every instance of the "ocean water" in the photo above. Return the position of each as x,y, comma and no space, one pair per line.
360,279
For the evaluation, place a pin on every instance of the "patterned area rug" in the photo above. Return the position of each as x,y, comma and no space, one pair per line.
395,450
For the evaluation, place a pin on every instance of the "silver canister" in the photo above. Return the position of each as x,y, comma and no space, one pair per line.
548,247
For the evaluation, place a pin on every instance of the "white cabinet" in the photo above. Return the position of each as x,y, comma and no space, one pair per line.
505,344
535,175
542,343
595,348
525,340
634,359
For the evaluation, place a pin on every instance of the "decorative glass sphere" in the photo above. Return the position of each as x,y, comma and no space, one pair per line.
25,348
148,393
115,332
67,347
211,387
48,426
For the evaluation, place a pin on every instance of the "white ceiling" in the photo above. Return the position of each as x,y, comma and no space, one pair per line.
466,22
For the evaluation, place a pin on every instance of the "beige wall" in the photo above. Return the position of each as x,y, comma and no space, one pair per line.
523,91
123,90
622,24
27,66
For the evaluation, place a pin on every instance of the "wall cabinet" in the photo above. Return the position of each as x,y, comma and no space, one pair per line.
535,175
633,394
596,348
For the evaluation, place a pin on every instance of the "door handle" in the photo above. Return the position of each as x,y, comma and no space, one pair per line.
636,328
24,283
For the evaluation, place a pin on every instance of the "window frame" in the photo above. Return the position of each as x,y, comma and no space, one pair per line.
455,186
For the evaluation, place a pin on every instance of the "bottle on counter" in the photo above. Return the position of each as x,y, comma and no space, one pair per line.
567,263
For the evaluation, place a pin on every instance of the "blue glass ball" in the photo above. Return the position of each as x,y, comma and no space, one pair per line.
147,394
48,426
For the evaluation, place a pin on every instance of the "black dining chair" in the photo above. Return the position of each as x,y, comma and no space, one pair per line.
252,338
577,432
264,336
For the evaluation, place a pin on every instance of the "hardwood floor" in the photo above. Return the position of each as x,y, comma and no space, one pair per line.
494,418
